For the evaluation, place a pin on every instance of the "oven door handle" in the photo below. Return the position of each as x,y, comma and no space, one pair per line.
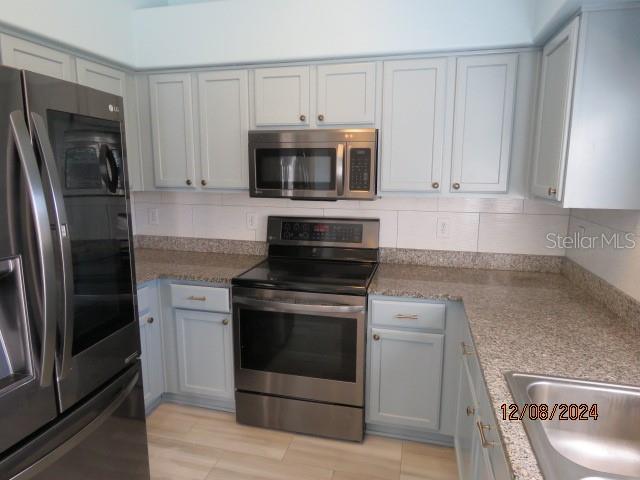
286,307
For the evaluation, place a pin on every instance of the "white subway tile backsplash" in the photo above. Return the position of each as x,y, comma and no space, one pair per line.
420,230
533,206
620,220
192,198
427,204
173,220
262,214
523,234
221,222
482,205
242,199
388,222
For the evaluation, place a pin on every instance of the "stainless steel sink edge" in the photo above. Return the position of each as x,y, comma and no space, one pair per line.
553,465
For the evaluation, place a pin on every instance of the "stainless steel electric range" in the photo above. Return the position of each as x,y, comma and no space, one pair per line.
300,327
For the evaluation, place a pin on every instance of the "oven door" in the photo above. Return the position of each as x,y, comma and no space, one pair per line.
297,170
303,345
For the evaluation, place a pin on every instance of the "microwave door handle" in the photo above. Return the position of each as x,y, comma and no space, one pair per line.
21,140
286,307
61,228
340,169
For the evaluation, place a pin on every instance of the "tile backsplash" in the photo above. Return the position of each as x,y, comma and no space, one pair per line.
508,225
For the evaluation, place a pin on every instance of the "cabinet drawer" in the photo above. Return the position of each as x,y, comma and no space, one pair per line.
144,299
408,314
200,298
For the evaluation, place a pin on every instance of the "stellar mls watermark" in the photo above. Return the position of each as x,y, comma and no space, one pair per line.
576,240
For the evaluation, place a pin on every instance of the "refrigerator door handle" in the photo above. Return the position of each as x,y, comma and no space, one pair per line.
61,233
20,136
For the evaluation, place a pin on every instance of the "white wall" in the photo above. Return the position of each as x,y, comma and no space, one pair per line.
247,31
99,27
475,224
620,267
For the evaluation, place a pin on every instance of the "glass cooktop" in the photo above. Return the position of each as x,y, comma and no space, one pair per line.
321,276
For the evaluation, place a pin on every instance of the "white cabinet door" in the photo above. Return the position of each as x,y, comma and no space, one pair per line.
101,77
281,96
406,377
224,122
554,113
18,53
152,366
172,128
465,425
483,122
205,360
413,124
346,94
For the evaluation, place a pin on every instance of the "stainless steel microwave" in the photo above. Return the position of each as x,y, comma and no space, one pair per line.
313,164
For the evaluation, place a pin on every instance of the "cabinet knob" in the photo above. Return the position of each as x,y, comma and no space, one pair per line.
376,337
303,118
188,182
321,118
203,182
466,349
435,185
456,186
552,192
470,411
225,321
150,320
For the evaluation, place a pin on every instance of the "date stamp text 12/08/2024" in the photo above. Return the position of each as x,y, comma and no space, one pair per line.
543,411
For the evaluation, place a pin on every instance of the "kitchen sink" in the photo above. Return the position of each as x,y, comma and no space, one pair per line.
595,430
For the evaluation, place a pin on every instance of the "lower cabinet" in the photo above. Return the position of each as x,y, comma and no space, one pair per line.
406,377
205,357
480,454
151,345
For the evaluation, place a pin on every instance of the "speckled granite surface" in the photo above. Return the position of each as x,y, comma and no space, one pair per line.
527,322
217,268
210,245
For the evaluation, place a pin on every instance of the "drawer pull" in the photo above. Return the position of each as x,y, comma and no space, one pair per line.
406,316
466,349
197,299
483,440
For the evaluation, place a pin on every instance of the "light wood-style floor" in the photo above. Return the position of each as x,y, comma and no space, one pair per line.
188,443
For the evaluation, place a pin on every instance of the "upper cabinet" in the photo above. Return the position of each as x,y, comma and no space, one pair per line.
587,143
281,96
346,94
18,53
554,112
224,122
483,122
101,77
414,107
172,129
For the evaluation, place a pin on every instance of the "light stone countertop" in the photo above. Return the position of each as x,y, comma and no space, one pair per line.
521,321
525,322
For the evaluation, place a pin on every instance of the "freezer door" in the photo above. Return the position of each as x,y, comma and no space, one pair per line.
27,279
78,135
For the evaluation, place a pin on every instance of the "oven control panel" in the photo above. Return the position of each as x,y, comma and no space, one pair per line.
359,169
322,232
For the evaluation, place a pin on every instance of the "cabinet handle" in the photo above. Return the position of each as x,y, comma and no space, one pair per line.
406,316
188,182
483,440
303,118
376,337
225,321
552,192
150,320
456,186
321,118
470,411
466,349
203,183
197,299
435,185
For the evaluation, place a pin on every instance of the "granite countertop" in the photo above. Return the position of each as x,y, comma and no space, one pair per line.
526,322
217,268
521,321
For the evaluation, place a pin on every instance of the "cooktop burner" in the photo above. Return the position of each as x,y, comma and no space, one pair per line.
321,276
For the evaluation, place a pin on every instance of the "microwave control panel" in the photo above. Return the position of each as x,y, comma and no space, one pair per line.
359,169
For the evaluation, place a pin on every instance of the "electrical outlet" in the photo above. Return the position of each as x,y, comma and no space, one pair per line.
444,228
154,216
252,221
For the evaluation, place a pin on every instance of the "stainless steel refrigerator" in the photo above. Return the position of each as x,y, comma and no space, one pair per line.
71,401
